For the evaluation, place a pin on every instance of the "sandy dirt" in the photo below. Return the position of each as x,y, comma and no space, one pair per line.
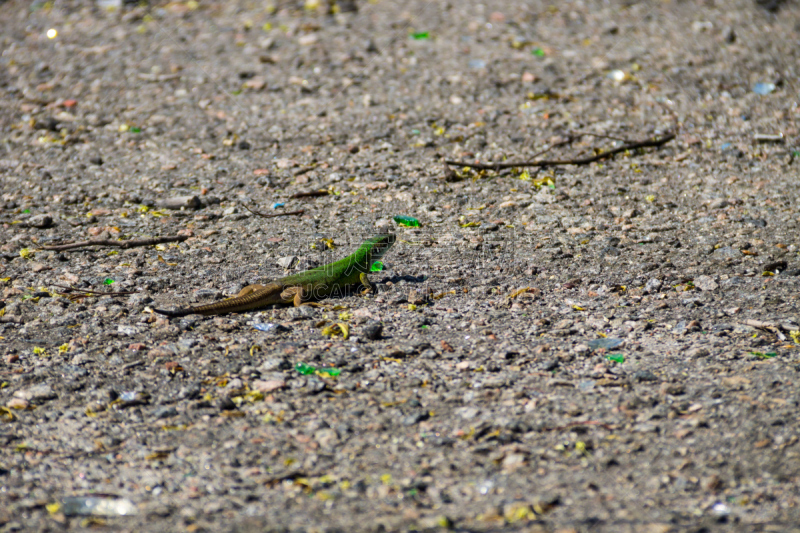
611,347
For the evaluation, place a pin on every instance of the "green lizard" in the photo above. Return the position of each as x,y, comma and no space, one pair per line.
319,282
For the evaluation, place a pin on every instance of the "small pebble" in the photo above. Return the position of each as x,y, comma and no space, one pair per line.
372,331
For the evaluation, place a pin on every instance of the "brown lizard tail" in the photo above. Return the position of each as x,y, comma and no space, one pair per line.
231,305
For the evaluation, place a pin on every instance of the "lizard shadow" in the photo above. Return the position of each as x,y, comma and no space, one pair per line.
408,278
354,290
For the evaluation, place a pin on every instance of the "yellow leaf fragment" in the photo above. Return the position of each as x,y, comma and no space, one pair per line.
518,292
337,329
442,295
519,512
162,454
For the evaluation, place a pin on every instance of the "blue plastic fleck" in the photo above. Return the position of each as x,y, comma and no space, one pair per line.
763,88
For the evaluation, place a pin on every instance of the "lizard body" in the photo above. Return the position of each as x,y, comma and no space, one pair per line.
314,284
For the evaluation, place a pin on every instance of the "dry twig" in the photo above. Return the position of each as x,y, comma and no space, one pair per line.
88,293
603,425
273,215
632,145
131,243
310,194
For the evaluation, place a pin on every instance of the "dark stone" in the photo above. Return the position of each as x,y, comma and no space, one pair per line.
776,266
644,375
372,331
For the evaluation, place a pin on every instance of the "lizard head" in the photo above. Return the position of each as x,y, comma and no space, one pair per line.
379,245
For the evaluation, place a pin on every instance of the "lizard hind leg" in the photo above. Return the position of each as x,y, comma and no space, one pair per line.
247,290
295,296
367,286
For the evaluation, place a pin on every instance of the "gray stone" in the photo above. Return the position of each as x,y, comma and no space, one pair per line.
718,203
165,412
179,202
139,299
304,312
37,393
467,413
727,252
705,283
129,330
275,363
40,221
644,375
287,262
733,281
697,353
653,286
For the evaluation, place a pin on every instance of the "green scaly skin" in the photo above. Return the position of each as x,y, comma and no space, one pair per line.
314,284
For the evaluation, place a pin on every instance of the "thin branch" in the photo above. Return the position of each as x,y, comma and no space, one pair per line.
131,243
310,194
305,170
273,215
92,293
603,425
450,175
578,161
602,136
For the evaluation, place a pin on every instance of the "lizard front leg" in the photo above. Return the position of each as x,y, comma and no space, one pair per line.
365,282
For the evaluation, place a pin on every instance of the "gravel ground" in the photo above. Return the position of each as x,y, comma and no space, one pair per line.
610,347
